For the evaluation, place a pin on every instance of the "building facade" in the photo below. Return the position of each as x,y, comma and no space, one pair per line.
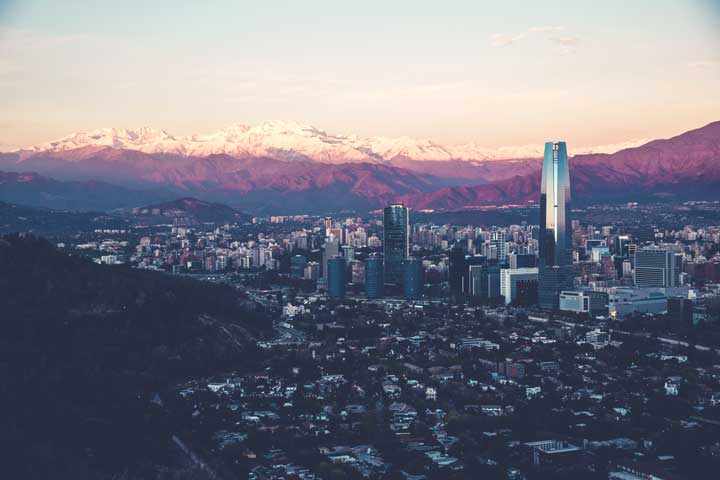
336,277
510,283
396,242
414,278
374,279
656,267
555,242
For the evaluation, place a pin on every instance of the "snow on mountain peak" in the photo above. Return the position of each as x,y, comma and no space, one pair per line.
289,140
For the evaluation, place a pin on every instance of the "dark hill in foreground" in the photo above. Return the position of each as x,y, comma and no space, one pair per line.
84,348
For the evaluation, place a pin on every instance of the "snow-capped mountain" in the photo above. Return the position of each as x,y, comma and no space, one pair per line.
284,140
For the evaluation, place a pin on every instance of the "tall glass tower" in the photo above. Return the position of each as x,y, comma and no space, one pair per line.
336,277
396,244
374,284
555,260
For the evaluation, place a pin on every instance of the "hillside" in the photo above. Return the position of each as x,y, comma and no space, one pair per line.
43,221
191,211
685,167
86,347
35,190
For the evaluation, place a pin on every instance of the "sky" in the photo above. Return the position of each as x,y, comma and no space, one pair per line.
495,73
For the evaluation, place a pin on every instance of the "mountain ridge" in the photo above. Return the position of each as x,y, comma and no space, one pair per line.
293,141
685,166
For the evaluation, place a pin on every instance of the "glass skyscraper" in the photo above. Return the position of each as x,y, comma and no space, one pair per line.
396,244
414,278
374,283
555,262
336,277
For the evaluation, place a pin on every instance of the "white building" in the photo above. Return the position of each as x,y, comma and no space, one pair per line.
509,279
577,302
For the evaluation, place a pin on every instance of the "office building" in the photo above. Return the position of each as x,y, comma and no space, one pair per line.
522,260
556,252
680,310
627,301
297,265
458,269
331,249
576,302
471,260
374,281
336,277
396,242
621,245
598,303
328,226
357,272
484,281
656,267
312,271
516,284
414,278
348,252
498,246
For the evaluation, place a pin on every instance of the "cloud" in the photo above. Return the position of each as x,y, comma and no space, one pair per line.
703,64
546,28
566,41
504,39
569,43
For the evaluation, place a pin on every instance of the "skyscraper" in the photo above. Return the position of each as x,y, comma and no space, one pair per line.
396,245
458,269
498,247
297,265
331,249
328,225
414,278
512,287
374,282
555,261
656,267
336,277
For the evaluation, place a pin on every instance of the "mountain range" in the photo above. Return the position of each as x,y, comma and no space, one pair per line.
285,140
286,167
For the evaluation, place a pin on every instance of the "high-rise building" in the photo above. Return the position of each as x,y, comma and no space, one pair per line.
328,225
458,269
556,252
336,277
396,244
374,280
414,278
484,281
357,272
348,252
297,265
522,260
621,244
510,284
312,271
656,267
332,249
498,246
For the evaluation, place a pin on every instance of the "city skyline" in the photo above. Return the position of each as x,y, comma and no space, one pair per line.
381,240
453,75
